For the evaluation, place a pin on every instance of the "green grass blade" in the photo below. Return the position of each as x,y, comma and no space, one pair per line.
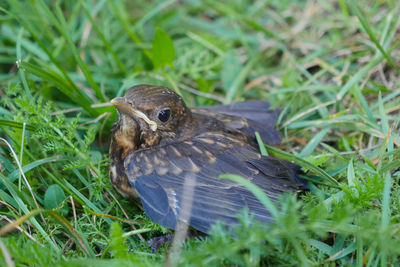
386,201
17,125
261,145
313,143
14,175
238,82
257,192
371,35
359,75
122,16
364,103
107,44
13,191
302,163
72,92
80,62
83,198
36,36
19,58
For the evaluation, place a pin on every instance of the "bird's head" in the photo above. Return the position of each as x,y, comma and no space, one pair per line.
155,112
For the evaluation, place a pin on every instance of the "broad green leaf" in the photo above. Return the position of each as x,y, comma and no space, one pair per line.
344,252
338,244
350,174
53,197
163,49
321,246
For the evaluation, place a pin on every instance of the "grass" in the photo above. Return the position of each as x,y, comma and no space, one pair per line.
331,66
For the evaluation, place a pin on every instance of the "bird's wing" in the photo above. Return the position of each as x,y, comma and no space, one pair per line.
255,110
158,176
248,117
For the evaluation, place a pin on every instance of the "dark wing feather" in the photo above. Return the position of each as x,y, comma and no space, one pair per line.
271,166
155,201
248,117
255,110
159,183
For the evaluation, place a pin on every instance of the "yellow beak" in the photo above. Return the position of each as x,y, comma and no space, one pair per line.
123,106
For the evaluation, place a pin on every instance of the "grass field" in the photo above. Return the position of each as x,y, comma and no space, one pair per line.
331,66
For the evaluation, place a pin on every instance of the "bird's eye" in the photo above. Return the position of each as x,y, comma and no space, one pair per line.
164,114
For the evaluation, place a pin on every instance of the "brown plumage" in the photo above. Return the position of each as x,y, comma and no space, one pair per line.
158,141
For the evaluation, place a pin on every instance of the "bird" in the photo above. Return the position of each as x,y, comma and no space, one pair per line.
158,143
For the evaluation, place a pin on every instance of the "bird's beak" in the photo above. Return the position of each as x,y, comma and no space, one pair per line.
124,107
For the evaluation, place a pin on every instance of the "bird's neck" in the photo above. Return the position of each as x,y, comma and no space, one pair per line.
122,142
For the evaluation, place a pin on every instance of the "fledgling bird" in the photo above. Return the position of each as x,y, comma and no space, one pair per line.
157,142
